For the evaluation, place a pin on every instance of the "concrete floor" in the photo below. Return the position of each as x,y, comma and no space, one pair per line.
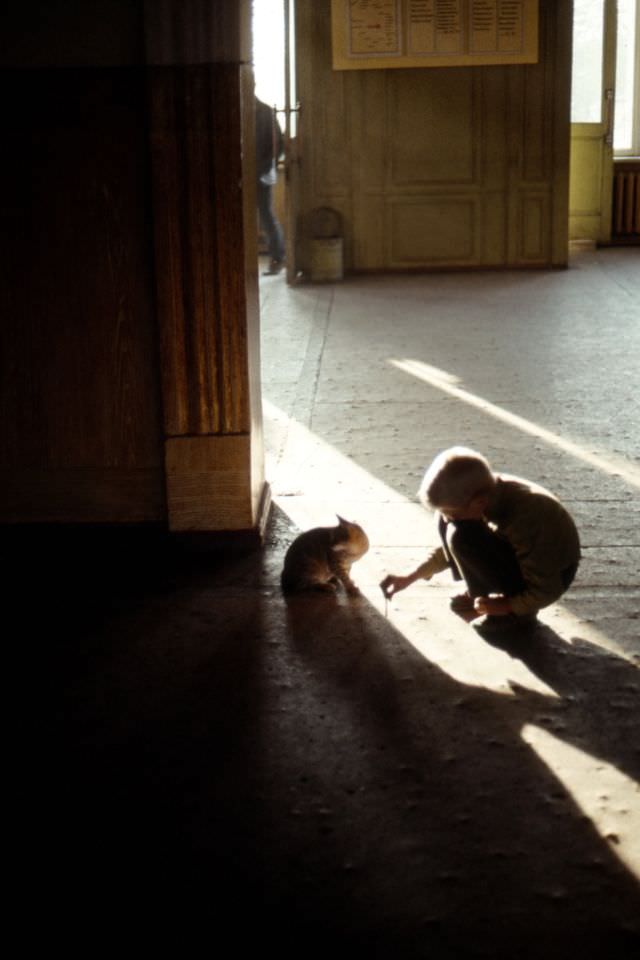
224,770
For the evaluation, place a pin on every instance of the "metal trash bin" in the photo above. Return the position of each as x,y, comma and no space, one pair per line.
326,245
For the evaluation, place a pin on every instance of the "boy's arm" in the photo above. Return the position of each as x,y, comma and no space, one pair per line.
435,563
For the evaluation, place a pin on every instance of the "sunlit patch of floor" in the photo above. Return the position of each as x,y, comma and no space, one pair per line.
448,383
312,482
609,798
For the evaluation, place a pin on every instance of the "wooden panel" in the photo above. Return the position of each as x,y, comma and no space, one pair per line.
103,33
207,486
198,204
369,130
78,341
234,245
325,135
332,136
534,228
492,132
586,176
259,497
493,244
81,495
205,230
484,141
537,119
492,128
84,438
368,249
559,50
585,183
542,218
432,131
197,31
433,230
328,115
532,139
369,124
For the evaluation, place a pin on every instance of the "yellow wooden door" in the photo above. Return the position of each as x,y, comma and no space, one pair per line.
591,155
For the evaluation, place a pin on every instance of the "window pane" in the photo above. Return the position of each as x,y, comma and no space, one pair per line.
623,125
586,87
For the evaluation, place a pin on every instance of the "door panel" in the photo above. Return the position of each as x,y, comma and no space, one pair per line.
591,164
424,101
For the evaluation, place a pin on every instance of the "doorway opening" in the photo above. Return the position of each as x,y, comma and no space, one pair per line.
273,31
604,200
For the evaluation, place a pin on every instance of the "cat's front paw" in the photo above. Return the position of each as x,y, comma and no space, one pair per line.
326,586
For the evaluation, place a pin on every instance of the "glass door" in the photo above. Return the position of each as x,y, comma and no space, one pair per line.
592,101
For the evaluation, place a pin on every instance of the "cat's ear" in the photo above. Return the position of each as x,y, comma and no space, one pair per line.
340,535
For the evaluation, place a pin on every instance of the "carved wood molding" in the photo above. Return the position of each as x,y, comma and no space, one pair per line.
196,142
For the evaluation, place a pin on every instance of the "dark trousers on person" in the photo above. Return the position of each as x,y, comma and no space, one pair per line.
484,559
268,223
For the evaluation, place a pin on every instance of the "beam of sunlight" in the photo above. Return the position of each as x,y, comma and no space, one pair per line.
311,481
607,797
614,466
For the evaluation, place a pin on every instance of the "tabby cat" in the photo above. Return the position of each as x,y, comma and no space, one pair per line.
321,558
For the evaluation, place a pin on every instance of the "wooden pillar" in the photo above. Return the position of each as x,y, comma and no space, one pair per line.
204,210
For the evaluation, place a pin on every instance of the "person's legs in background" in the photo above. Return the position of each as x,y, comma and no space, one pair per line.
271,227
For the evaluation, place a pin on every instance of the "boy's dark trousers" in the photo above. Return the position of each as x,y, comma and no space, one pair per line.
483,559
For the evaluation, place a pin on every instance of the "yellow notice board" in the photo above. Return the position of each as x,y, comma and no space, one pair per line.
379,34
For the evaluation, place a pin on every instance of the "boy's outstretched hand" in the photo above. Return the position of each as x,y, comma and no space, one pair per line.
392,585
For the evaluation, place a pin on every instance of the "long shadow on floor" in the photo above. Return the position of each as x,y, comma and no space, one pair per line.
225,767
463,832
598,704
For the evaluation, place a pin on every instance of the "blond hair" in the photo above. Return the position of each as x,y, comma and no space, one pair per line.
455,477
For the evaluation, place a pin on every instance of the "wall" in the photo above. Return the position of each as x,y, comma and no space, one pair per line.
202,141
81,428
438,167
130,365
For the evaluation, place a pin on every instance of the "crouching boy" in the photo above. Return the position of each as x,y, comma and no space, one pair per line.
512,542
